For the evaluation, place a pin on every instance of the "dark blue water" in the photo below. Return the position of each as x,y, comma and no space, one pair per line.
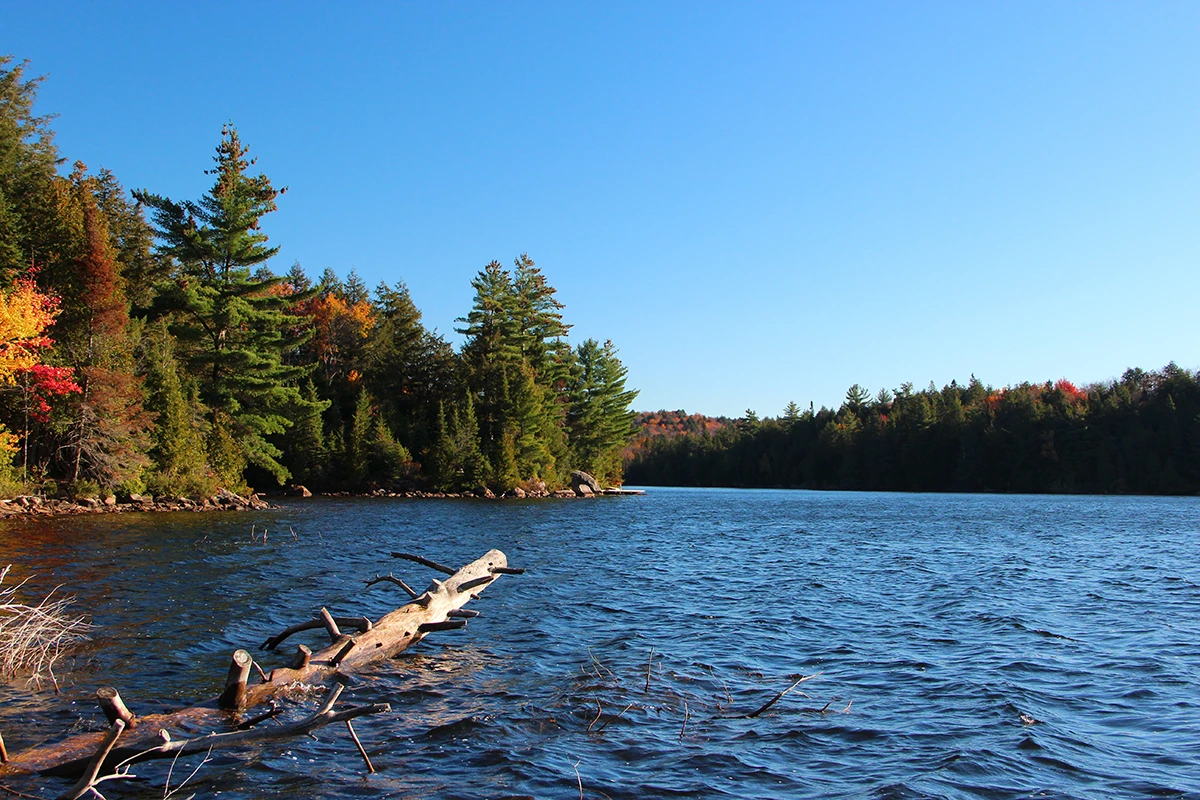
967,646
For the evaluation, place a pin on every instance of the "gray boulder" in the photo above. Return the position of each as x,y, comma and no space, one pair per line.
580,479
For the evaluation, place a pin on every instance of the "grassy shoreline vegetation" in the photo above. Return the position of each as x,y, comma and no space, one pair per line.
147,347
1136,435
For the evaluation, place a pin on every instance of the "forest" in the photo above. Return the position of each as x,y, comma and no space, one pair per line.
1137,435
146,345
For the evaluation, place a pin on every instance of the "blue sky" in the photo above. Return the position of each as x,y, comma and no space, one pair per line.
757,202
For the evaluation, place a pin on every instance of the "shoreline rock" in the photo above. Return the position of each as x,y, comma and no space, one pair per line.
27,506
38,506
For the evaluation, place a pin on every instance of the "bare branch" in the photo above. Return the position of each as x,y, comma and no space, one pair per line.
425,562
779,696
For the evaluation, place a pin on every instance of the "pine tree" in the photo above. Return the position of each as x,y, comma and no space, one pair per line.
491,348
536,436
440,466
230,324
307,456
299,281
358,441
177,451
396,366
538,321
600,420
28,160
468,455
387,459
354,290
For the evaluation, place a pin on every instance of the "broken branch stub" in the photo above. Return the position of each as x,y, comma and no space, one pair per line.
113,706
234,696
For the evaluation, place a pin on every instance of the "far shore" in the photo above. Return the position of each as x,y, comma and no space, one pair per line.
25,506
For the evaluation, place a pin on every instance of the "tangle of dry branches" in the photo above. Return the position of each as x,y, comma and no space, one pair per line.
34,637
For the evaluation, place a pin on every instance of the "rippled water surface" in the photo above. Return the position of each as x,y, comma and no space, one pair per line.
963,646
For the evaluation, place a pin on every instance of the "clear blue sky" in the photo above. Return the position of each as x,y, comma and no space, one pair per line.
757,202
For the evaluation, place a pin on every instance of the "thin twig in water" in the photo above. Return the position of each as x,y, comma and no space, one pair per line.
599,712
295,538
15,793
596,661
578,779
685,720
777,697
649,666
618,716
168,792
362,751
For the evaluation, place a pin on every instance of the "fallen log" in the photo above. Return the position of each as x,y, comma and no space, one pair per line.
108,759
437,608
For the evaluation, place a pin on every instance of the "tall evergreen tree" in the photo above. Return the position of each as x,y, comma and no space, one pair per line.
28,159
491,350
177,451
600,419
230,324
538,321
304,445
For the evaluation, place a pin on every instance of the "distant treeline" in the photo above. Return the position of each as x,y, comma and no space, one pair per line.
1138,435
163,354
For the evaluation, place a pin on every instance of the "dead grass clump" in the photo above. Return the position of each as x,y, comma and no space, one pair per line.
34,637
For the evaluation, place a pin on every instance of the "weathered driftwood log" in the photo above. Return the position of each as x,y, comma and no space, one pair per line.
108,757
437,608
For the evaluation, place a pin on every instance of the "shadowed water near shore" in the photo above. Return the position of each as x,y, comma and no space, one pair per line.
967,646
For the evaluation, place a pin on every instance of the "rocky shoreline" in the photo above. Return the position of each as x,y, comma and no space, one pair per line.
39,506
582,485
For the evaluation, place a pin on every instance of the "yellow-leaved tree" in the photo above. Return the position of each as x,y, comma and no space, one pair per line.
25,315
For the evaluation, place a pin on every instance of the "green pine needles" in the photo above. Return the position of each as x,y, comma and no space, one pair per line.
231,323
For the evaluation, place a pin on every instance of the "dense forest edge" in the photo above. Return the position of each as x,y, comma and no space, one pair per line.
146,346
1136,435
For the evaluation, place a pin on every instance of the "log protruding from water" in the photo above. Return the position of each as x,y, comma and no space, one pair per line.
438,608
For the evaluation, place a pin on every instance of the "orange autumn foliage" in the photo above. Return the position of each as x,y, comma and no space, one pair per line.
339,328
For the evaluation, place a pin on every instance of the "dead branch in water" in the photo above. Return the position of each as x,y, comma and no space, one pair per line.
779,696
34,637
146,737
100,768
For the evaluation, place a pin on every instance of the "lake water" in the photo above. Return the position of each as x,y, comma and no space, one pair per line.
967,646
